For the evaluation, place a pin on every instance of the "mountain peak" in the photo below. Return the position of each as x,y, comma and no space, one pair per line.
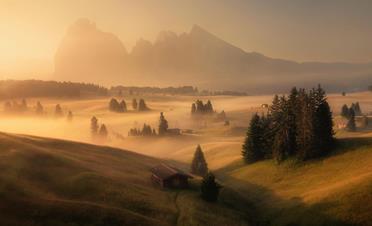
196,29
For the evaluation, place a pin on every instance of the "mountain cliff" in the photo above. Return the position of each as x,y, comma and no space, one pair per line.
194,58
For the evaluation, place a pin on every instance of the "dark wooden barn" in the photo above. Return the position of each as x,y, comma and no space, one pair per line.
169,177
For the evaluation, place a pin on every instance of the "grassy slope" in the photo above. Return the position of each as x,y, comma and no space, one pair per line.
55,182
336,190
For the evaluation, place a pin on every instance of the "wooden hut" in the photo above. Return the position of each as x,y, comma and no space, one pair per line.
169,177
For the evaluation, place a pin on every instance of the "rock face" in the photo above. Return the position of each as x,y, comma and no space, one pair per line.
195,58
90,54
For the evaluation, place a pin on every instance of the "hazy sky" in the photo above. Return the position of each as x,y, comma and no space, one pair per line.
302,30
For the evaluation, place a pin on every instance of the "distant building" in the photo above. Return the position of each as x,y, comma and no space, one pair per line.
169,177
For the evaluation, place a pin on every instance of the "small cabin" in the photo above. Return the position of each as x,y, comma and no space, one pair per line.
169,177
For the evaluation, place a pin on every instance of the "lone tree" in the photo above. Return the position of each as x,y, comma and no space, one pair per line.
351,126
142,105
70,116
134,104
199,165
58,111
39,108
163,124
209,188
103,131
94,126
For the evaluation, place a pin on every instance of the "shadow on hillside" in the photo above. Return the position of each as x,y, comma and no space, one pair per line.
269,209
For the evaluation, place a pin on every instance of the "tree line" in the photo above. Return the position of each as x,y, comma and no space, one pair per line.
37,88
14,107
298,125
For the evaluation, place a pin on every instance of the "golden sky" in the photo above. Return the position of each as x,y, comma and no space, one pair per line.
301,30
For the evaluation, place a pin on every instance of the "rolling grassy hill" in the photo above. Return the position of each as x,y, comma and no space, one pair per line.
55,182
336,190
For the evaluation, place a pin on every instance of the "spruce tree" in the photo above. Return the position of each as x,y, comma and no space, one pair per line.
199,165
134,104
142,105
103,131
114,105
39,108
282,143
351,125
193,109
345,111
305,125
94,126
252,147
163,124
209,188
58,111
123,106
69,116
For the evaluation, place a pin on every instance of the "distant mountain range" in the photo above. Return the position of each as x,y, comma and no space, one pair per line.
196,58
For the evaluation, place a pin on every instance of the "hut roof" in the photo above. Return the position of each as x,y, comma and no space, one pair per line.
165,171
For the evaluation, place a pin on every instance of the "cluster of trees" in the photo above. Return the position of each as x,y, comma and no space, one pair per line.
115,106
209,187
199,108
146,131
132,90
121,107
98,132
15,107
299,125
37,88
354,109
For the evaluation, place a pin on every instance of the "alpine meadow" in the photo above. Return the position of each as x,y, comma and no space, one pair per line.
185,113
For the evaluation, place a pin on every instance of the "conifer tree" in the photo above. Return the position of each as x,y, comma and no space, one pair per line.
305,125
94,126
282,142
23,106
123,106
114,105
142,105
163,124
209,188
252,147
103,131
357,110
134,104
345,111
351,126
69,116
193,109
209,107
39,108
58,111
199,165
